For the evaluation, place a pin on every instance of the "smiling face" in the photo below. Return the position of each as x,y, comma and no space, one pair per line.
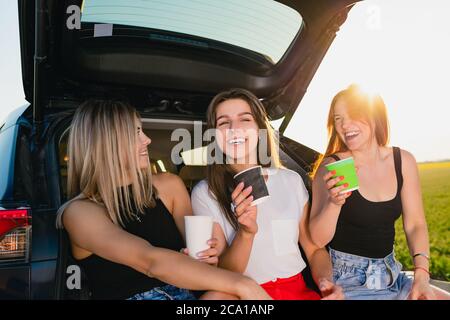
353,132
142,142
237,131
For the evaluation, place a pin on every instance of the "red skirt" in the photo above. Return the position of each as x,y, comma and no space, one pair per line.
293,288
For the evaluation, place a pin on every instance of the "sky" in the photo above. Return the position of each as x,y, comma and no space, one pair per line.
398,48
11,89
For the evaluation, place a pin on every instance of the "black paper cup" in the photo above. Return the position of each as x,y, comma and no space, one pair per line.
253,177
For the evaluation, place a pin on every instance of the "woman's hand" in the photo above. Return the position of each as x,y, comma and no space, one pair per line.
209,256
421,289
245,212
334,192
330,291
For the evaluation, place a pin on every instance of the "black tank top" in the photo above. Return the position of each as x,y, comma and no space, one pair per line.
366,228
109,280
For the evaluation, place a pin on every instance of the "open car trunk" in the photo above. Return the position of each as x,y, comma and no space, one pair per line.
169,66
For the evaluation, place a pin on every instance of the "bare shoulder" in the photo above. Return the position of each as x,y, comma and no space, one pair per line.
167,181
82,212
407,157
409,163
171,190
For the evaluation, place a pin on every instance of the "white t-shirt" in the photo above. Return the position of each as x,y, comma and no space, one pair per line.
275,252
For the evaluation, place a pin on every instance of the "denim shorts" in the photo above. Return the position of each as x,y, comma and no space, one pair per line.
364,278
167,292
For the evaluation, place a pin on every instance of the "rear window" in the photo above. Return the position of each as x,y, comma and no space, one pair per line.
263,26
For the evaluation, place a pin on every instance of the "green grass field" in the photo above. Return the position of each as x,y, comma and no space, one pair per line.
435,180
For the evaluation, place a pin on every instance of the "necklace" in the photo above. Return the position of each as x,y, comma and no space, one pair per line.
137,216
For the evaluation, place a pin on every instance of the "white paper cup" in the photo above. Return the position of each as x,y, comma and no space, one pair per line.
198,232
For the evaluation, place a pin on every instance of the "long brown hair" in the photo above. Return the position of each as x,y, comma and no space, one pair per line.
102,157
220,175
361,106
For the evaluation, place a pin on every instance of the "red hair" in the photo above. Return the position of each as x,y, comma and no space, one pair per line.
360,106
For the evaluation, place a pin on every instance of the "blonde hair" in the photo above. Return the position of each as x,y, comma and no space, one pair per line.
102,158
360,106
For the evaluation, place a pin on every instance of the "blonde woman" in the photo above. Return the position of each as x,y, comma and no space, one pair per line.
358,226
125,226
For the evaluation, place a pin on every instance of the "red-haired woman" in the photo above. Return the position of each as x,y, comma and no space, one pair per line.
358,226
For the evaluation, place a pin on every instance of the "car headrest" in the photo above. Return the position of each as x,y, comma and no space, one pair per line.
192,174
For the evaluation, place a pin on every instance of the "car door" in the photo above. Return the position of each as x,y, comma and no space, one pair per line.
15,209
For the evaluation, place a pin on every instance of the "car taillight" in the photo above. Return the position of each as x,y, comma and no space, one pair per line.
15,235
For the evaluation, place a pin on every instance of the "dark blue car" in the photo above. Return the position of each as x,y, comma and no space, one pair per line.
168,60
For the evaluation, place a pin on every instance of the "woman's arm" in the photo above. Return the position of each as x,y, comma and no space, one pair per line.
318,258
236,256
326,205
90,229
319,261
414,222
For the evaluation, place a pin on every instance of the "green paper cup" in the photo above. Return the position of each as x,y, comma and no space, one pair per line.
345,168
